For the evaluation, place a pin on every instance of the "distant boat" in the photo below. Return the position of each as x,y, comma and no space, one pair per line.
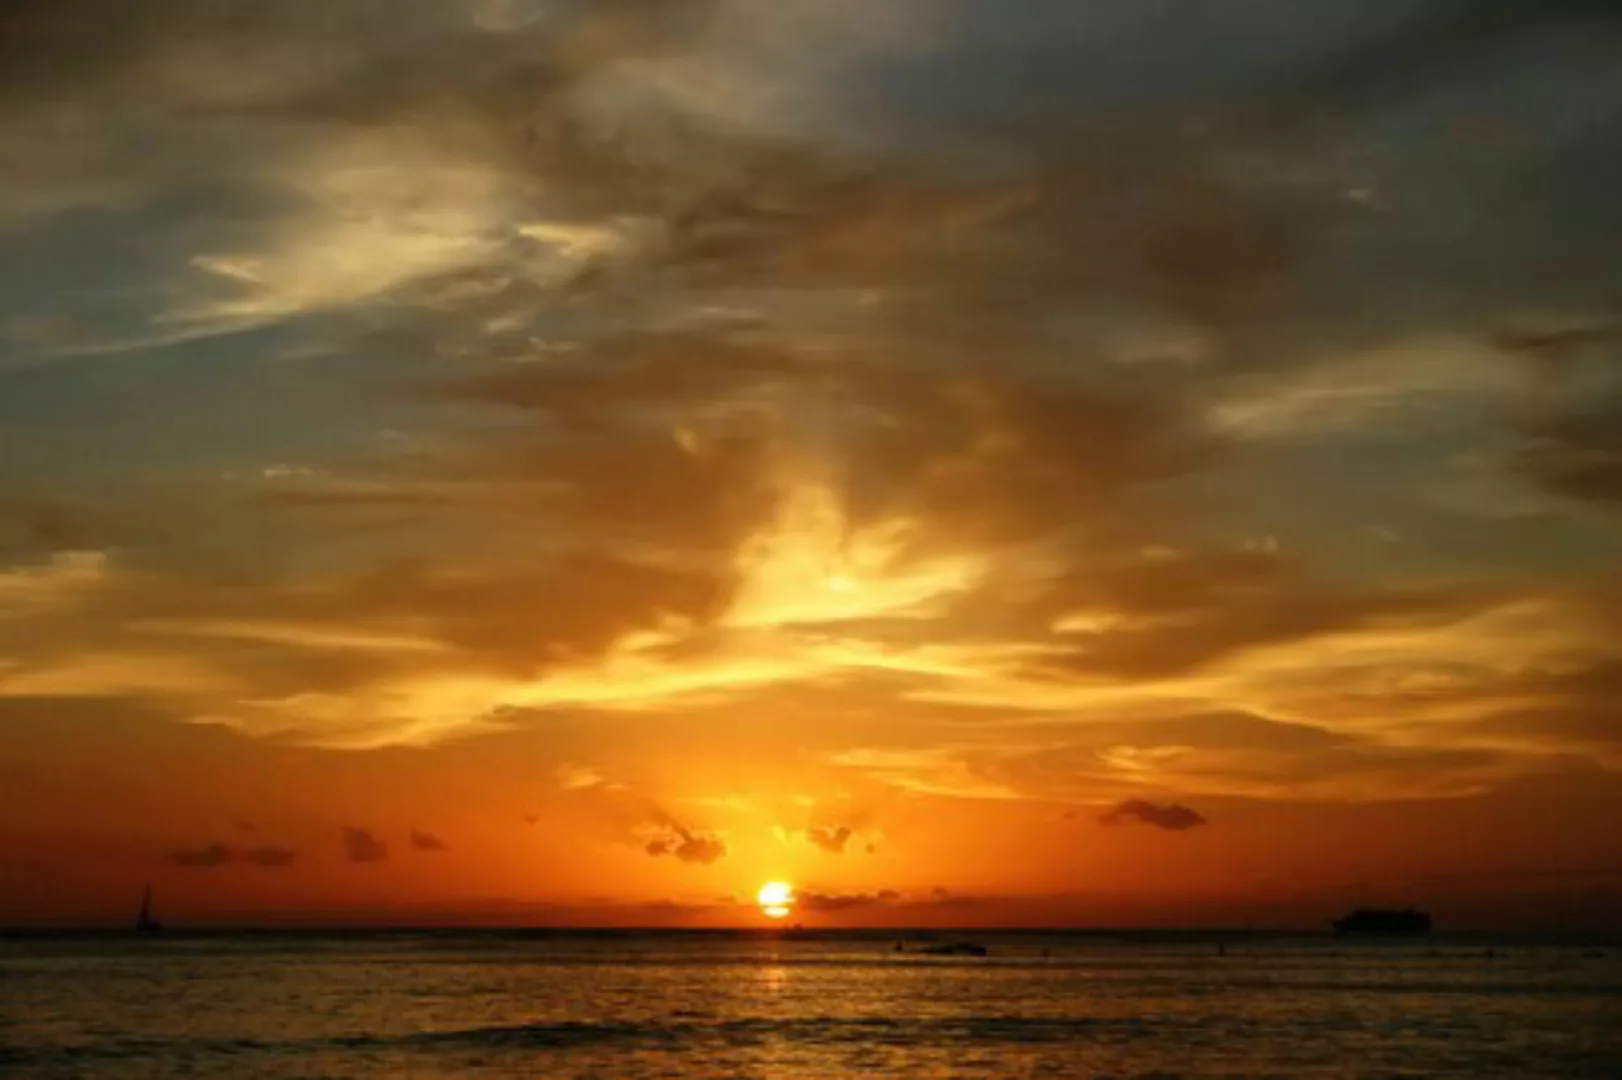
1385,922
145,923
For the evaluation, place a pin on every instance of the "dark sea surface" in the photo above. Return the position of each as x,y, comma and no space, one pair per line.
459,1004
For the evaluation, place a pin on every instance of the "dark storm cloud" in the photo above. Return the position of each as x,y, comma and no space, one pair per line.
427,841
1172,817
361,846
830,839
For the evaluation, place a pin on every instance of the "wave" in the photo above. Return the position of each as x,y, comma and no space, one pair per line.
745,1030
673,1033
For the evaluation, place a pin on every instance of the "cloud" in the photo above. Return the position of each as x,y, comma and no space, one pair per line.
825,902
954,381
829,839
363,661
361,846
61,582
1098,750
219,853
688,847
1168,613
31,524
215,854
1444,39
427,841
1374,393
1579,454
630,816
269,855
1171,817
306,115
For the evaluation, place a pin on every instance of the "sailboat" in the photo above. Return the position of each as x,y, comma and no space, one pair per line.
145,923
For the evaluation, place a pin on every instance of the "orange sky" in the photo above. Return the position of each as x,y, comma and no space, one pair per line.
498,461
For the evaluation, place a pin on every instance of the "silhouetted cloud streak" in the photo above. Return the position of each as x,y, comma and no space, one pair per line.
1172,817
831,840
219,853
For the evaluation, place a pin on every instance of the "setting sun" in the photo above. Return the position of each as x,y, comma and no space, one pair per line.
776,899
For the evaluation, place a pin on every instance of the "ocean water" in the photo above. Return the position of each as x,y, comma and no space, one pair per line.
625,1007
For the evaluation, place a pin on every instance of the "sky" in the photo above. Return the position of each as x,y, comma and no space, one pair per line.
1133,462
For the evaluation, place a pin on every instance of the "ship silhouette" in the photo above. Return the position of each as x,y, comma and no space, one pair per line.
1384,921
144,922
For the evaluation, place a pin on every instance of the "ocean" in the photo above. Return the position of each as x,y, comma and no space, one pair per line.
626,1006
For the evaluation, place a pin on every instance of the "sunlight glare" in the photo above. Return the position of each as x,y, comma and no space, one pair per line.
776,899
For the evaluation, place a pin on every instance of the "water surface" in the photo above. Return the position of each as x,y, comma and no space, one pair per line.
633,1006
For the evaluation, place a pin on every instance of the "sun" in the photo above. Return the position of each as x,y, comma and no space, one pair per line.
776,899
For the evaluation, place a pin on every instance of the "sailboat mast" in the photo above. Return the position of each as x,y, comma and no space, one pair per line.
146,922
